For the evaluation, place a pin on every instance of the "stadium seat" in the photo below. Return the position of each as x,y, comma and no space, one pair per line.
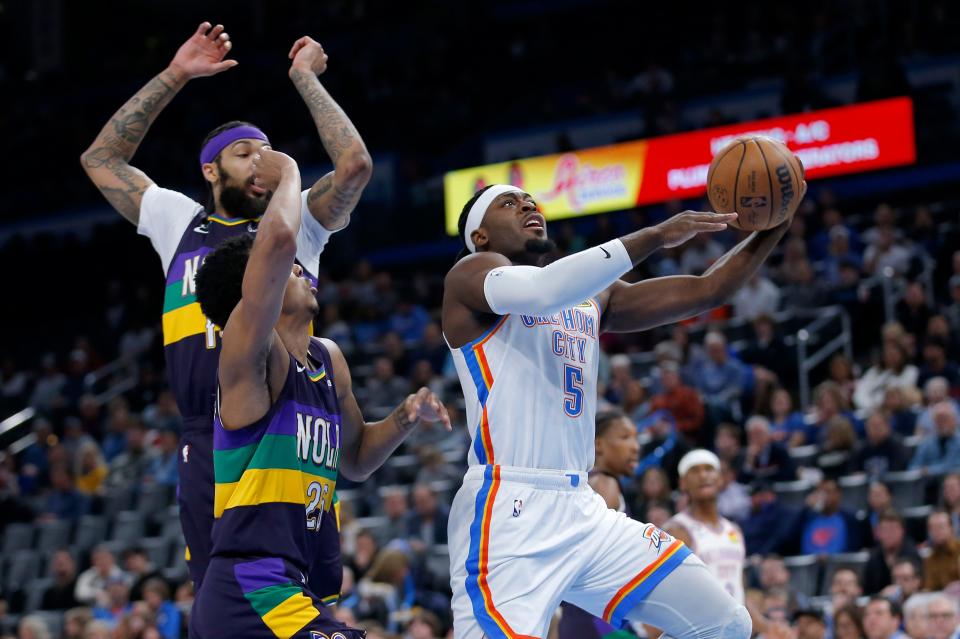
53,534
153,501
855,561
907,488
854,488
91,530
17,537
171,529
792,493
915,521
117,499
804,573
157,549
35,590
128,526
22,566
377,526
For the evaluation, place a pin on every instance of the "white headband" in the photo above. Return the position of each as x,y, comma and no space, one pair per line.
479,209
698,457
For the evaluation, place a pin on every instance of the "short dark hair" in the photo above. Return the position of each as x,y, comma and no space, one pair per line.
220,279
605,419
462,221
232,124
890,514
893,606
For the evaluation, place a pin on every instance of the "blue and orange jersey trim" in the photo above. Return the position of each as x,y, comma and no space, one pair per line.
476,359
638,588
484,610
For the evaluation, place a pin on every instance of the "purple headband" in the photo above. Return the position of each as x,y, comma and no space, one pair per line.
220,141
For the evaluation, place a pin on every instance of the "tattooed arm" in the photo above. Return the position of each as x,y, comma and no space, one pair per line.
334,196
107,161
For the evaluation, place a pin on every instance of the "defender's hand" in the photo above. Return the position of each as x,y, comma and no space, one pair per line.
421,406
203,54
269,167
307,55
683,226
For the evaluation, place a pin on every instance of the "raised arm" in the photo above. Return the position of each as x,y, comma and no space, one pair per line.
366,445
334,196
107,160
249,337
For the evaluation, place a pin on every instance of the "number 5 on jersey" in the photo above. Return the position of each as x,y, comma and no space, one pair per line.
572,390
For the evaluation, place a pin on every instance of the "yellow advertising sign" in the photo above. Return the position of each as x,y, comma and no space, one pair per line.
564,185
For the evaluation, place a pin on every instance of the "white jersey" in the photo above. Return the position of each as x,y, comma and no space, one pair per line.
530,386
721,549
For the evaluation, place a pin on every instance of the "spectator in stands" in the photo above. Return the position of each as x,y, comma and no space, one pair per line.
720,379
384,387
894,370
845,588
941,566
665,447
13,507
162,468
654,489
950,498
907,580
939,452
936,390
64,501
396,351
683,402
726,444
773,573
365,553
770,526
424,625
129,467
758,297
393,502
838,254
427,524
883,451
938,330
164,414
836,452
118,419
902,419
409,320
46,392
881,619
156,594
915,622
828,402
433,348
138,567
90,469
784,421
75,622
942,617
879,499
828,528
842,373
635,403
33,627
803,289
913,313
433,467
884,252
766,350
763,457
810,624
699,253
423,375
621,376
952,311
892,545
60,595
92,582
936,364
733,500
847,623
116,604
97,629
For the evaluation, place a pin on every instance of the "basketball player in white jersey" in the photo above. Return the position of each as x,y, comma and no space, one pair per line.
715,539
526,531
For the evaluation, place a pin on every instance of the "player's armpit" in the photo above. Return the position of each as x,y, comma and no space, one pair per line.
250,375
464,283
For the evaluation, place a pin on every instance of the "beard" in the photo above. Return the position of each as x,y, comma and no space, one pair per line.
539,247
235,201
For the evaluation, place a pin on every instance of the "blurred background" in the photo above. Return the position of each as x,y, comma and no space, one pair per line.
842,354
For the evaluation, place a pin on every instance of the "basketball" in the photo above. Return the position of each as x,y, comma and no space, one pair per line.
757,177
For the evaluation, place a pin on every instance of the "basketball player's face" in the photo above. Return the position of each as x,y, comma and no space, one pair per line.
235,190
299,298
701,482
619,447
515,227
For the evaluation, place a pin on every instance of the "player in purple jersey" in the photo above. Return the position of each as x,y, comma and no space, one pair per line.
182,231
273,385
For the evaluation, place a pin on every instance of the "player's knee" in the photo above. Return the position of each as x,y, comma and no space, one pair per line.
738,625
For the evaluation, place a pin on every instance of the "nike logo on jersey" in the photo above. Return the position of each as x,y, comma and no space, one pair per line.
606,253
203,228
252,227
300,368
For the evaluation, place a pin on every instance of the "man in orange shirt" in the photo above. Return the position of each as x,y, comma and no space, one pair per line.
942,565
683,402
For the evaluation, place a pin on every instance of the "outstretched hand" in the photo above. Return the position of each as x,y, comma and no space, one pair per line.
268,167
203,54
683,226
422,406
308,55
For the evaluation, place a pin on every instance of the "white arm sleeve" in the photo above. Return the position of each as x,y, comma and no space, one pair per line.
530,290
311,239
164,217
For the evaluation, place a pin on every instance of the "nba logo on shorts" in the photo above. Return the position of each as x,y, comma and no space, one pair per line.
517,507
656,536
